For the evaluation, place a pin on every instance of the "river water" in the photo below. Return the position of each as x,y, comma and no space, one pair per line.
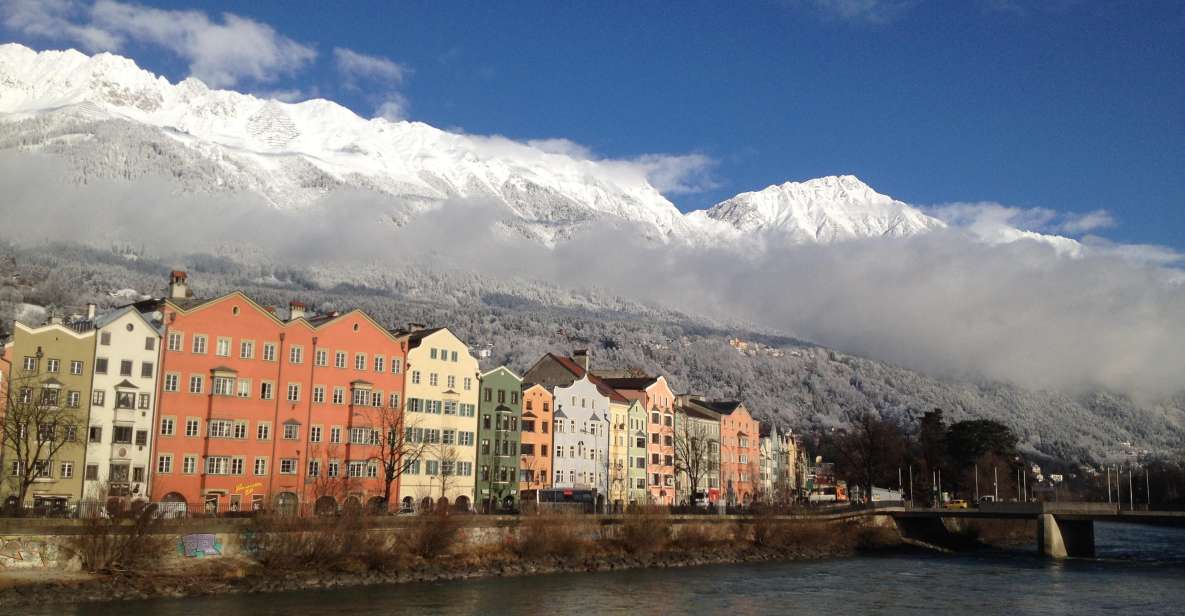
1140,570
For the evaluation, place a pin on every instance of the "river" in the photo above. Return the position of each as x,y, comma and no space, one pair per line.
1140,570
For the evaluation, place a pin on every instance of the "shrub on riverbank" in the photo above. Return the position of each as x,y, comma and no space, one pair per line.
645,532
109,545
431,535
554,534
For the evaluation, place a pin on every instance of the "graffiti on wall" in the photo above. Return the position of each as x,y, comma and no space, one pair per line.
200,545
21,552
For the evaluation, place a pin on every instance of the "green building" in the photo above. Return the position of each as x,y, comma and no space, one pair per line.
46,413
499,411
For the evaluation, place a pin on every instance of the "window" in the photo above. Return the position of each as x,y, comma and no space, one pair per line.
395,365
452,381
260,466
321,358
167,426
376,399
100,365
145,401
125,399
73,399
222,346
394,401
514,397
288,466
192,426
105,338
98,397
236,465
432,467
171,381
356,468
468,410
415,377
379,364
294,392
265,391
360,361
199,343
335,434
339,359
468,383
314,468
246,349
449,437
189,465
244,390
52,365
319,394
269,351
30,364
361,397
433,379
76,367
219,428
296,354
175,341
291,431
332,468
465,438
240,430
363,436
149,343
147,369
315,434
195,384
450,407
501,396
217,465
164,463
263,431
432,353
224,386
488,394
339,395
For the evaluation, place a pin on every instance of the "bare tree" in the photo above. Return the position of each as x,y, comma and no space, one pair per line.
337,485
396,445
447,457
870,449
36,425
695,456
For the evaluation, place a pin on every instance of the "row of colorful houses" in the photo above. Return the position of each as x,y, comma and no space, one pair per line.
221,405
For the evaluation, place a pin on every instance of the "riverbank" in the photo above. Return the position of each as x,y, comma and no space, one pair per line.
278,555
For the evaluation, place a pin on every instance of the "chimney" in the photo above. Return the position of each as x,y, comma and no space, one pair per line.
178,288
581,356
90,311
295,310
415,327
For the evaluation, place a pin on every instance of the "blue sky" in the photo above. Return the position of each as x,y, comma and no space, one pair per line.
1066,105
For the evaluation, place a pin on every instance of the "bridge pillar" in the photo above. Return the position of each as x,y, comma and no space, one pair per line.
1064,538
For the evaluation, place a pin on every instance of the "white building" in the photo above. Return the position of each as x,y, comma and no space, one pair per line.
581,437
123,406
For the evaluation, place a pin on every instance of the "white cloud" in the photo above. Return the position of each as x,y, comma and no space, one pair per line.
57,19
1090,221
677,173
221,52
393,109
356,66
865,11
559,145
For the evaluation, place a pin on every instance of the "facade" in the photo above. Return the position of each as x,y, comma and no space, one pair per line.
535,471
499,413
581,437
656,397
619,450
260,413
740,452
49,385
441,392
638,492
697,452
123,406
777,479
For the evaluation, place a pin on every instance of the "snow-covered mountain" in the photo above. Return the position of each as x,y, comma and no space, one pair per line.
821,210
111,119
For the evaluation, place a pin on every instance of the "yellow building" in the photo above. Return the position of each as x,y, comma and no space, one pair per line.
440,412
619,454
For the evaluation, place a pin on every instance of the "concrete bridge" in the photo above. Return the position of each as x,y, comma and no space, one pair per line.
1063,529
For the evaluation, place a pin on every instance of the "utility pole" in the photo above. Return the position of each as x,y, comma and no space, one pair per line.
1024,479
1107,470
940,498
977,483
911,485
996,483
1018,488
1131,498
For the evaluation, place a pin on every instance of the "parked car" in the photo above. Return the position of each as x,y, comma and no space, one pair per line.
957,503
987,499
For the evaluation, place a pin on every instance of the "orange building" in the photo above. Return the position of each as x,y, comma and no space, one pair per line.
535,461
740,451
656,397
260,413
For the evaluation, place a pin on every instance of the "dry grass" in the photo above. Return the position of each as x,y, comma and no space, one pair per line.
645,533
431,535
107,545
560,535
694,536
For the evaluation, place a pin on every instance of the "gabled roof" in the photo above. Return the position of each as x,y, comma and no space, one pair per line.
503,369
635,383
415,338
106,319
559,414
578,371
125,384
